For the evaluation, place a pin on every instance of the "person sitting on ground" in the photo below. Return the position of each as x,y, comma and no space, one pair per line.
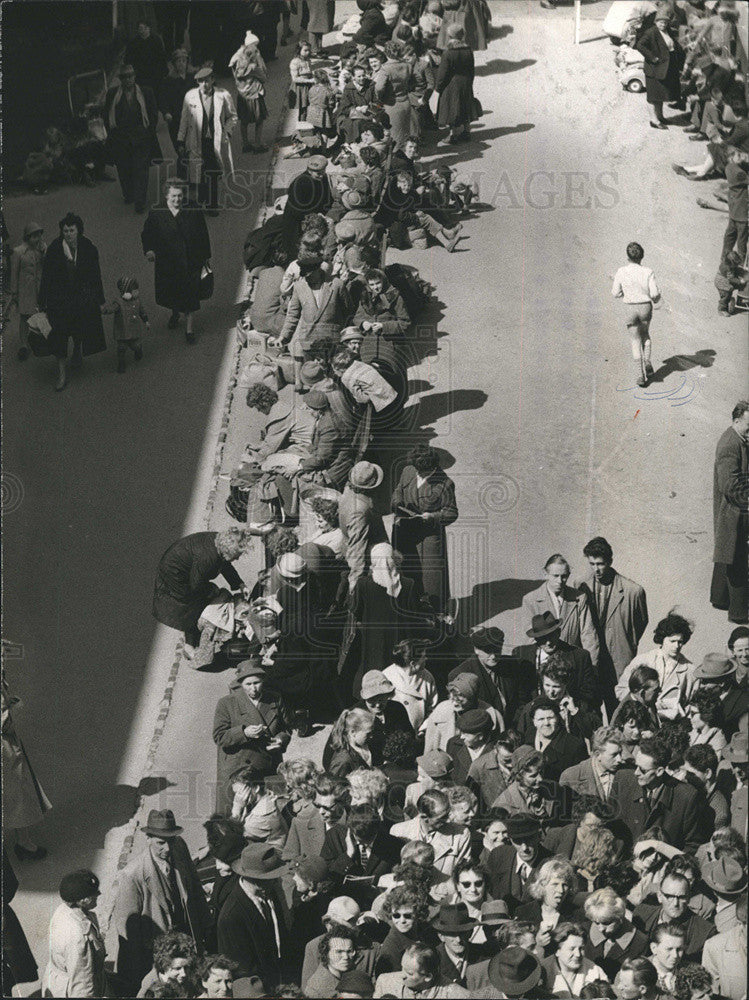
267,313
400,211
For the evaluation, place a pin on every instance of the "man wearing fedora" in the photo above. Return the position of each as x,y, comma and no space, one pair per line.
727,881
512,865
724,956
251,728
515,972
546,632
728,590
620,615
361,524
251,925
503,681
718,673
454,927
569,604
158,891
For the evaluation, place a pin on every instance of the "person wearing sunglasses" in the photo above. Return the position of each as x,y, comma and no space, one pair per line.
471,884
406,908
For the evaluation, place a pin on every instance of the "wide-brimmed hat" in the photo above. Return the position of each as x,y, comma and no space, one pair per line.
475,720
514,970
249,668
488,640
521,826
725,876
374,683
291,566
542,625
365,476
737,751
453,918
494,913
714,666
259,861
30,228
435,763
161,823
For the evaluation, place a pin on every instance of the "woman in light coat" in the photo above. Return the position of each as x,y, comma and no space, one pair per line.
396,89
415,687
25,279
76,945
674,670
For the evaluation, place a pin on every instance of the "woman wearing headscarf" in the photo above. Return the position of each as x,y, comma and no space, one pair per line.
454,84
424,504
384,610
72,295
250,74
396,89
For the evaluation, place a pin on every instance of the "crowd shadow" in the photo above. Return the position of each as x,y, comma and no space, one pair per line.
487,600
683,363
500,32
498,67
479,141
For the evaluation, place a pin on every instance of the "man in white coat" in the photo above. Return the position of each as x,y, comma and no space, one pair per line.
724,957
205,130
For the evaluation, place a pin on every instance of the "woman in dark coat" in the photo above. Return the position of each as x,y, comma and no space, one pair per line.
424,504
251,729
72,295
664,58
183,580
176,239
373,29
454,84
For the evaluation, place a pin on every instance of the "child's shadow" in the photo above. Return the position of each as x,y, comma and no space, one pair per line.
683,363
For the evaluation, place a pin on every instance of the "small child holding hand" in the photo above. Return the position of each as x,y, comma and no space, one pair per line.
130,321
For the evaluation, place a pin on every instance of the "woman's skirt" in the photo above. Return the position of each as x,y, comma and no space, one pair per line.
251,111
668,89
302,96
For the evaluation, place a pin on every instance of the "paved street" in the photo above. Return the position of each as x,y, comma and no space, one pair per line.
526,387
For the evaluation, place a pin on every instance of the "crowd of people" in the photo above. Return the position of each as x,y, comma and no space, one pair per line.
565,818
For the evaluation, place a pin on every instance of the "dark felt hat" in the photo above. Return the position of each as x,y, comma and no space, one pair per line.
161,823
475,720
543,625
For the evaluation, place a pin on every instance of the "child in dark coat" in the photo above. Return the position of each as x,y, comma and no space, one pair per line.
130,321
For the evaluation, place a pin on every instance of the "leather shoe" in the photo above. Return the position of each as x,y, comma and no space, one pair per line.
659,125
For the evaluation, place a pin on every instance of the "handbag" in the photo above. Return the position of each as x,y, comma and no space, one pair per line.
39,329
261,368
205,288
291,97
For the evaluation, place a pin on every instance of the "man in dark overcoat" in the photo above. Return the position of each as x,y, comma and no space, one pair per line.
729,591
131,115
250,729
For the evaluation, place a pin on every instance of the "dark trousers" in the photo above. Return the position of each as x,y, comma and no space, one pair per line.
724,299
133,164
729,589
735,237
210,176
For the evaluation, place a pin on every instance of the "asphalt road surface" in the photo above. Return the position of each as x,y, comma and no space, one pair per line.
524,384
